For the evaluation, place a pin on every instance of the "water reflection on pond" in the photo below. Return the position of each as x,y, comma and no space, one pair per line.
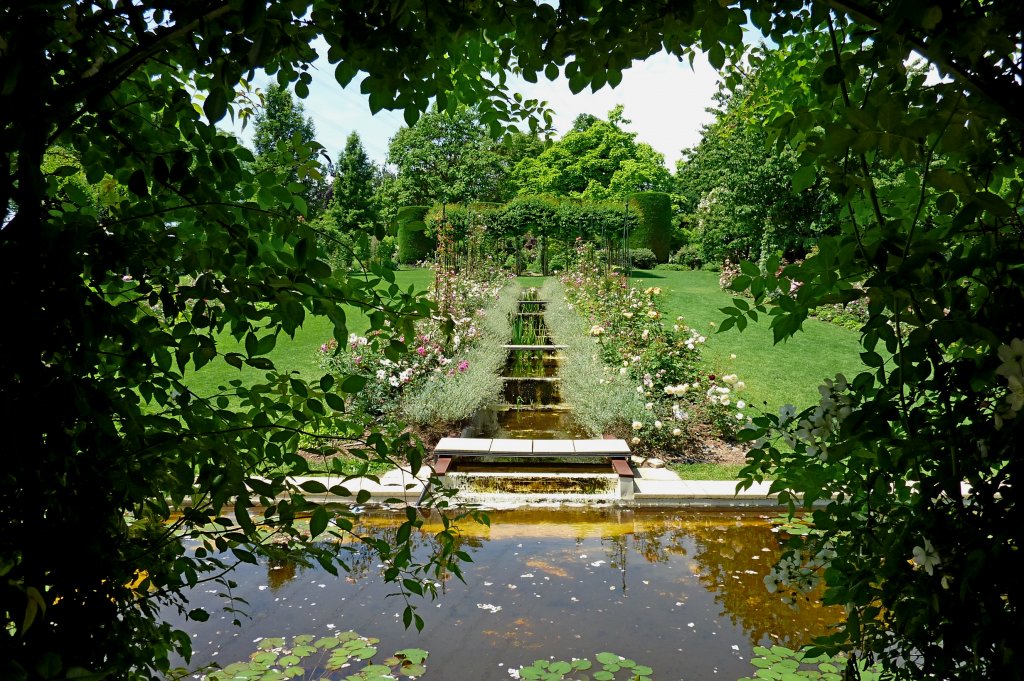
680,590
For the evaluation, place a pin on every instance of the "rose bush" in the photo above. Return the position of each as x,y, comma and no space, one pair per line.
684,401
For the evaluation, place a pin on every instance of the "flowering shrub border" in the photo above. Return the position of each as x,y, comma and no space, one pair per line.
683,402
440,346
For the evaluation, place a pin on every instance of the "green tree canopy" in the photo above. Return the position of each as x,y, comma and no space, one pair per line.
735,187
596,159
352,204
284,138
113,306
351,222
447,157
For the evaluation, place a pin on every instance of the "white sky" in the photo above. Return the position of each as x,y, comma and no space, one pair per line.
665,100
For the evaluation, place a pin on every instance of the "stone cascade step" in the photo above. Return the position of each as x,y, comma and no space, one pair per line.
475,446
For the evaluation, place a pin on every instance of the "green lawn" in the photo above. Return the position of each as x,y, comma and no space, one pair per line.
774,374
707,471
292,354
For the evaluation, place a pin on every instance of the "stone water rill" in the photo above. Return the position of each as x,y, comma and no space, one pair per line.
528,448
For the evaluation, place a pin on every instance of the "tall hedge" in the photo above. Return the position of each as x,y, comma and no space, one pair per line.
414,244
654,227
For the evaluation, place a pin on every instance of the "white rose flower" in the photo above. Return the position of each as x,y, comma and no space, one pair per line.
927,557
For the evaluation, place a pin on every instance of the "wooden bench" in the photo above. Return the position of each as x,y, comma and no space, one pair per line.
622,467
451,448
442,465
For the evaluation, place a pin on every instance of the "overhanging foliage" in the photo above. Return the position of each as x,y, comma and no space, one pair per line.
117,301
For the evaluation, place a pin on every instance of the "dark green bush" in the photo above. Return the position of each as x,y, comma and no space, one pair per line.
414,244
654,228
643,258
688,255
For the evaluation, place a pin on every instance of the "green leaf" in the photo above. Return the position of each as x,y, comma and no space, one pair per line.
137,183
716,57
353,383
931,17
49,666
804,178
318,522
216,104
313,487
872,359
947,203
833,75
302,251
750,269
335,402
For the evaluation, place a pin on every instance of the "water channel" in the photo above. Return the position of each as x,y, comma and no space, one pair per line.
678,590
531,406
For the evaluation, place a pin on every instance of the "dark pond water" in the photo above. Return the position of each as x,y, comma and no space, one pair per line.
679,590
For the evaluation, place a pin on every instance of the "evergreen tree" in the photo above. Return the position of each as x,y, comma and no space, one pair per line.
352,205
284,139
349,227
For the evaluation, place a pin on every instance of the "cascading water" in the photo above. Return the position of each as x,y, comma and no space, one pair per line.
531,409
532,404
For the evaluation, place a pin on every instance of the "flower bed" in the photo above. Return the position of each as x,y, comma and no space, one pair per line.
683,402
440,348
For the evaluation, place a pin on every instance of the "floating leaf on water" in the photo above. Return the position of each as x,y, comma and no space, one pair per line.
560,668
269,643
264,659
413,670
413,655
608,658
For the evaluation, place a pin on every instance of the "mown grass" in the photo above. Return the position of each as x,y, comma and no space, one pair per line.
789,372
707,471
291,354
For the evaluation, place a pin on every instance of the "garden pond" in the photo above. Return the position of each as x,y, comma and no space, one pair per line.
680,590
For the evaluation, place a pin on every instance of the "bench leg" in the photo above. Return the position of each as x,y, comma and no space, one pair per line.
442,465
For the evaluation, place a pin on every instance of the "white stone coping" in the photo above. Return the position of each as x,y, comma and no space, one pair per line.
463,444
610,447
511,446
